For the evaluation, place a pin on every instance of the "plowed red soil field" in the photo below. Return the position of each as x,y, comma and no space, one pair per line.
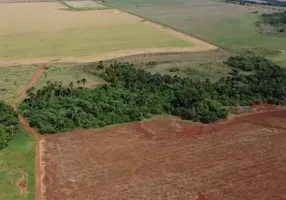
242,159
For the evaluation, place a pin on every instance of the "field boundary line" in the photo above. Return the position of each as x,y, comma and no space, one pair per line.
229,120
171,28
105,56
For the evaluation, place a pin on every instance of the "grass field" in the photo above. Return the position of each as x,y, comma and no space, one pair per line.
87,41
17,169
13,80
240,34
195,70
66,74
227,25
199,65
31,34
73,72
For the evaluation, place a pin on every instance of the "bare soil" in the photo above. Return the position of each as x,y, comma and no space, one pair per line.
22,184
38,168
239,159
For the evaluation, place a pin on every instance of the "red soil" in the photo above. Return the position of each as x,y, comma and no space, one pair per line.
201,197
23,185
239,159
37,136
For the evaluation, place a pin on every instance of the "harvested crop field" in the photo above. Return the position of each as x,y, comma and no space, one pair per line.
171,159
41,32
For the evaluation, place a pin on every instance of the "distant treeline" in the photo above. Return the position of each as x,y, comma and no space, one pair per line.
134,94
276,20
263,2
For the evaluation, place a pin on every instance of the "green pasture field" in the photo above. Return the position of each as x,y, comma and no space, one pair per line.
86,41
13,80
240,34
227,25
66,73
196,70
199,65
17,162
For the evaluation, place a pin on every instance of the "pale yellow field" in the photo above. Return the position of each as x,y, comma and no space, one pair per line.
48,17
40,32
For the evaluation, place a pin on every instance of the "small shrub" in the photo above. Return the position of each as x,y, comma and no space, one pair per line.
173,69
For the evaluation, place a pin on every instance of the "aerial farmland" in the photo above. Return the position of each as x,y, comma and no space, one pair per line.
142,99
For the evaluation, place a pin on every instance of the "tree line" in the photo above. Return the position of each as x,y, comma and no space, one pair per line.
133,94
8,124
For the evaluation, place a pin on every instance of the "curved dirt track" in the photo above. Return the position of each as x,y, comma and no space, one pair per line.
34,78
106,56
25,124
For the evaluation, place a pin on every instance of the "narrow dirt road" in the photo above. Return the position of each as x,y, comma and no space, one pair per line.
29,129
34,78
38,174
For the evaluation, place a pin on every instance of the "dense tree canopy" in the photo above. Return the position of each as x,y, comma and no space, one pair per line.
8,124
133,94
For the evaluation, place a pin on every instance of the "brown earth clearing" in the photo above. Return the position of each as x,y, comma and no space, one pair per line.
240,159
22,186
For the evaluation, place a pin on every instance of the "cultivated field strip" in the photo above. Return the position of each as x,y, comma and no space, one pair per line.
170,159
31,37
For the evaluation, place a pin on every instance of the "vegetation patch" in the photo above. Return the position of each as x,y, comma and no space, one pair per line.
263,52
226,25
16,158
273,22
17,168
13,79
197,70
134,94
67,73
8,124
83,5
